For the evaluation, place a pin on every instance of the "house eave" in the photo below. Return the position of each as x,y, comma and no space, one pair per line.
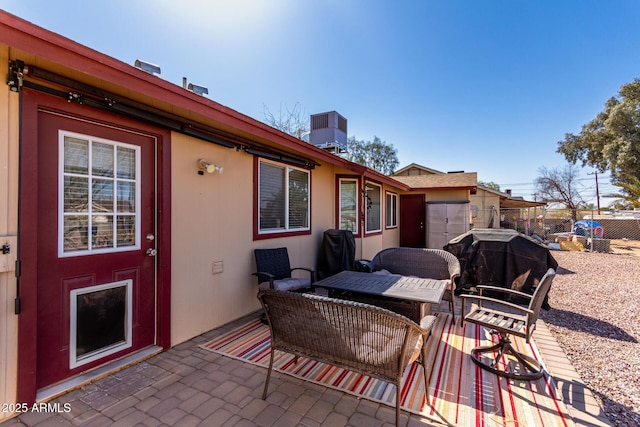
519,204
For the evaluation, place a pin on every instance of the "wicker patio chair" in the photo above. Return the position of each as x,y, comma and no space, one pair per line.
351,335
274,271
426,263
508,319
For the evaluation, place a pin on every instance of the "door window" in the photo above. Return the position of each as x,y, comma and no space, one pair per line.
99,196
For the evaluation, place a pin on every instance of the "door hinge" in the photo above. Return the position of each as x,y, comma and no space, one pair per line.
17,309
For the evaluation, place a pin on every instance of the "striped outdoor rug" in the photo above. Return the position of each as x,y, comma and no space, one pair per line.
459,391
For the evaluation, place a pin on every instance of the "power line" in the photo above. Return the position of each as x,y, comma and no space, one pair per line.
533,182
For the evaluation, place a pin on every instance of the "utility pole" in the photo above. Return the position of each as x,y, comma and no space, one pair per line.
597,189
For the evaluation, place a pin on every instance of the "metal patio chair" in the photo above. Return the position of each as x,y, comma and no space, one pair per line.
508,319
274,271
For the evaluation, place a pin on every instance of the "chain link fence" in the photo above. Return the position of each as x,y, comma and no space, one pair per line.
607,232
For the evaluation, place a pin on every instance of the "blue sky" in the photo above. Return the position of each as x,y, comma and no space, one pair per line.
485,86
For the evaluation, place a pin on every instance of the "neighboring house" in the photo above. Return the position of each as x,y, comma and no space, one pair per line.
440,202
516,213
415,169
488,208
129,195
485,207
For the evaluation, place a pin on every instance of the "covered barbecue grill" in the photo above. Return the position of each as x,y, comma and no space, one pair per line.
337,253
500,257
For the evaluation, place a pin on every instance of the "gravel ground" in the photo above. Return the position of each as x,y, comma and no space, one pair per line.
595,319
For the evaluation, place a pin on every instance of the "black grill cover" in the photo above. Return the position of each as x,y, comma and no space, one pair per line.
499,257
338,253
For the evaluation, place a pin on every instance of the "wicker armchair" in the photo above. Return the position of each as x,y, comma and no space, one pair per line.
360,337
427,263
274,271
508,319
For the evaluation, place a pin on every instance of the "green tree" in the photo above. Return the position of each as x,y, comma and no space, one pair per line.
560,186
629,197
376,154
611,141
492,185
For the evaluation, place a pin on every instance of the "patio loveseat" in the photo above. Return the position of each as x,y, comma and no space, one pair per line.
363,338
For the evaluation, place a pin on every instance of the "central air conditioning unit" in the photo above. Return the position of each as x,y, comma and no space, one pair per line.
329,132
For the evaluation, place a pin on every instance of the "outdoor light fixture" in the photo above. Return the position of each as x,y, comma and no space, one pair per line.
200,90
147,66
206,166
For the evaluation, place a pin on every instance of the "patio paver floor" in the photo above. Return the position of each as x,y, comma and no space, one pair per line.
187,386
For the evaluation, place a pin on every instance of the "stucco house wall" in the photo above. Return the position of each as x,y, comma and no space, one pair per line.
485,203
212,217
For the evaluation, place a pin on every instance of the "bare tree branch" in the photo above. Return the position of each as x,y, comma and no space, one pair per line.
293,121
560,186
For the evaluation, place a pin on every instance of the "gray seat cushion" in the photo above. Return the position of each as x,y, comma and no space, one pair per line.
288,284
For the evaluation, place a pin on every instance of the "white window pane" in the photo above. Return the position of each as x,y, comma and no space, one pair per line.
126,196
349,205
126,163
126,230
76,194
102,159
101,231
102,195
373,207
298,199
272,195
76,155
76,233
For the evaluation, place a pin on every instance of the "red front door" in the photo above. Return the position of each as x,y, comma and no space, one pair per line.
96,231
412,221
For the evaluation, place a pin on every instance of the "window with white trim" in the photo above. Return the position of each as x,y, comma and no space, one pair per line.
283,198
391,206
373,211
348,208
99,195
